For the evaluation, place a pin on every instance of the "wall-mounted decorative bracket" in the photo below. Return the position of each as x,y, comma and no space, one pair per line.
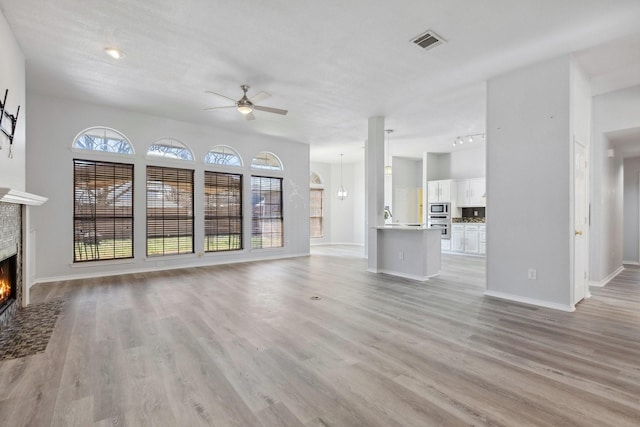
13,119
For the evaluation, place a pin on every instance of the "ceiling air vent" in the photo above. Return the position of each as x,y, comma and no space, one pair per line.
428,40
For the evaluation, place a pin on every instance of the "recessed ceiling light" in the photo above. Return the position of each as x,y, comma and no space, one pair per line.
113,52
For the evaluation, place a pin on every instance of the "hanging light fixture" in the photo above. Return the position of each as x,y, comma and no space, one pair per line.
388,170
342,192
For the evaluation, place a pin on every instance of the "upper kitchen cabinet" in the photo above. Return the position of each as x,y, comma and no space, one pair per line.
441,191
471,192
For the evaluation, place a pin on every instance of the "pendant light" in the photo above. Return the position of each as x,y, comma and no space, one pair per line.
342,192
388,170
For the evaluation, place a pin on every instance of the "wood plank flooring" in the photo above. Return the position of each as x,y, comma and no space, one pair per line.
244,345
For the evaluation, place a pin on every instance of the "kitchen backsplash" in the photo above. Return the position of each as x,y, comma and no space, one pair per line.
475,219
477,212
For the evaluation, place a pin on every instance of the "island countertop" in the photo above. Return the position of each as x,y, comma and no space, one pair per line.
410,251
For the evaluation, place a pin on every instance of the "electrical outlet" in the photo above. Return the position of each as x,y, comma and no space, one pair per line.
400,255
532,274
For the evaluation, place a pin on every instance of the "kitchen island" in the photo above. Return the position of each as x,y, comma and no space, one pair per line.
412,252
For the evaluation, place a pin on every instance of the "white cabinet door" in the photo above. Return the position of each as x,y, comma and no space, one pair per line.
476,189
482,239
470,192
463,193
471,239
441,191
445,191
445,245
433,191
457,238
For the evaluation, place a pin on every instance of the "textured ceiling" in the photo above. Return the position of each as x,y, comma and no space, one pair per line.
332,64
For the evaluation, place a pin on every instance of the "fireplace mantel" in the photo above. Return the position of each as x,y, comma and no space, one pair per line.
20,197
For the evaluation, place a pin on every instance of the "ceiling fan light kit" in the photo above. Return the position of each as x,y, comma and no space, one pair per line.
246,105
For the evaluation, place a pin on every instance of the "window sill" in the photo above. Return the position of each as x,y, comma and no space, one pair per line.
168,257
101,263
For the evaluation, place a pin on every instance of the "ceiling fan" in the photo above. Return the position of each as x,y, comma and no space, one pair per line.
246,105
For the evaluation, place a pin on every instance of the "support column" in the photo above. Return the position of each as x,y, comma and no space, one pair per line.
374,187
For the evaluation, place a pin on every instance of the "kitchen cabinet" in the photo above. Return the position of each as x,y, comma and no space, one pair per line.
471,239
471,192
468,238
442,191
457,238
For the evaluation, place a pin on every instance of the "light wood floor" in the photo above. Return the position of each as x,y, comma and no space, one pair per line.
244,345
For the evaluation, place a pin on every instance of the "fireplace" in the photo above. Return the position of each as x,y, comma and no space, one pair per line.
8,282
14,205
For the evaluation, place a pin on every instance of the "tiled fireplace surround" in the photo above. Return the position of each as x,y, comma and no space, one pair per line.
10,243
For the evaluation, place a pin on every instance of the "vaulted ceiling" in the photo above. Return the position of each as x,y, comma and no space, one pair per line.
331,63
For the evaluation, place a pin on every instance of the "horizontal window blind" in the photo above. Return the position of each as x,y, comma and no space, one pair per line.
102,210
315,216
222,211
266,212
169,211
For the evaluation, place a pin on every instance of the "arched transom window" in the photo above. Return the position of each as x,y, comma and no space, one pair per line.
103,139
267,161
223,155
315,180
169,148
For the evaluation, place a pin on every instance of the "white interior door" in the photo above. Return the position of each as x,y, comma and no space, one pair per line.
580,290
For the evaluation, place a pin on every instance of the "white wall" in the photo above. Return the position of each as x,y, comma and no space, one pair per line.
438,166
631,225
347,216
611,112
528,163
469,163
12,77
54,123
407,177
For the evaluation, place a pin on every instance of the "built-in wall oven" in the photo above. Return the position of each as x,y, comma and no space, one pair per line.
439,217
444,225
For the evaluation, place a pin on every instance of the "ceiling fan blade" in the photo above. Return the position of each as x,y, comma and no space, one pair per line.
250,116
218,108
270,110
259,97
219,94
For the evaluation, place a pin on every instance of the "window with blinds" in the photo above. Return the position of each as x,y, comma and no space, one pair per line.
102,211
315,216
266,212
169,211
222,211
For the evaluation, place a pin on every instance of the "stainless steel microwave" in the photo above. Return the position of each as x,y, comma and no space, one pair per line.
439,208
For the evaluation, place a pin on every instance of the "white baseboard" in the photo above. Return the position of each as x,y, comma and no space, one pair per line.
204,263
631,262
607,279
404,275
531,301
340,244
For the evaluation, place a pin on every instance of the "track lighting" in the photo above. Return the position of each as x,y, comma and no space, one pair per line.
470,138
